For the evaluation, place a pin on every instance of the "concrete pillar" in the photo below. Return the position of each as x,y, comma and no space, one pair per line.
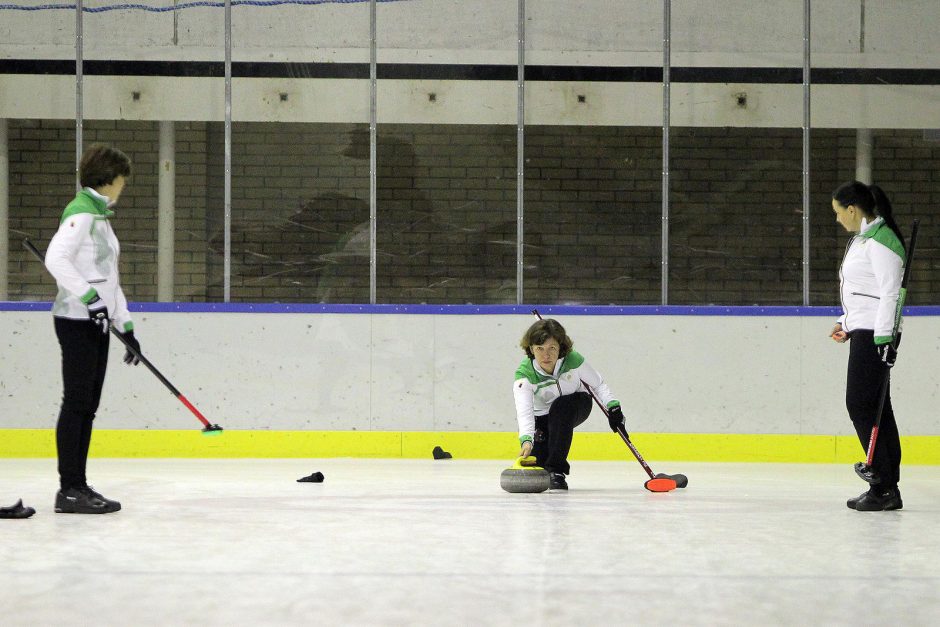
863,150
166,212
4,211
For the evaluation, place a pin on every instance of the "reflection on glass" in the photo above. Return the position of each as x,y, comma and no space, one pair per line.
736,216
300,213
446,213
592,216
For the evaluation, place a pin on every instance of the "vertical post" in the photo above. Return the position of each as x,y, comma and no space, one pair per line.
227,252
373,153
520,153
166,211
79,80
863,152
667,88
806,146
863,136
4,210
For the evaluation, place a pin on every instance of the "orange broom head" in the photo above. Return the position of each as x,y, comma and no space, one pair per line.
660,485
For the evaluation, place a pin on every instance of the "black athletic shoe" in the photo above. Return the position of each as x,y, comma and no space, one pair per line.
558,482
852,501
113,505
879,501
83,501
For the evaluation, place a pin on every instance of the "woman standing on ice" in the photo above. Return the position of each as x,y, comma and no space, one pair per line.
551,400
83,258
870,283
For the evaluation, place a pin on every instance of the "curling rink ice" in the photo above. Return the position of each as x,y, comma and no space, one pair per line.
415,542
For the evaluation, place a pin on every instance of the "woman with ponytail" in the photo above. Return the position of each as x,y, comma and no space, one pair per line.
870,283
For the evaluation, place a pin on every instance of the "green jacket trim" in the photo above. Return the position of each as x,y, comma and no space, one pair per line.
883,234
89,296
883,339
128,326
572,360
85,202
527,371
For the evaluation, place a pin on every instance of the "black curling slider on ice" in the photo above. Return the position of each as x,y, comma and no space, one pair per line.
440,453
16,511
316,477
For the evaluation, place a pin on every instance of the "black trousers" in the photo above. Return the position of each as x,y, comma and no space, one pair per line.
554,430
84,363
866,372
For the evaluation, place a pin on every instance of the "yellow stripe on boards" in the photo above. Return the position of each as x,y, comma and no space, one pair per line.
699,447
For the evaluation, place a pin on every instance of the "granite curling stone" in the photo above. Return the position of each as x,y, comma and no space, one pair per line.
522,477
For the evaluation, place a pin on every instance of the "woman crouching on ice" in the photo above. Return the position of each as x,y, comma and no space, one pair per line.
551,398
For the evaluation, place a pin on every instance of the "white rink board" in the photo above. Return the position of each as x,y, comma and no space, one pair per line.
425,372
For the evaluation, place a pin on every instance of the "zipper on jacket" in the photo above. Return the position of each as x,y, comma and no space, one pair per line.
842,276
866,295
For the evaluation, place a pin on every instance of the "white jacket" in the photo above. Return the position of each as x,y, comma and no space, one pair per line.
535,390
83,258
870,281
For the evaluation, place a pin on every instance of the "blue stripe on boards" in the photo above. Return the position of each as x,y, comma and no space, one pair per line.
469,310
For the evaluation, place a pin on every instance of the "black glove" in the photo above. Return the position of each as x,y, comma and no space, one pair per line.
888,354
98,313
129,357
615,419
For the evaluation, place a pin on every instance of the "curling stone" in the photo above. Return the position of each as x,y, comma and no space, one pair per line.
524,478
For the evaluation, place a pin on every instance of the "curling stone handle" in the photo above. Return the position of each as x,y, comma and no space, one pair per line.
526,463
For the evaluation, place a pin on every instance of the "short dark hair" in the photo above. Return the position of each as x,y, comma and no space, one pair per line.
101,164
541,331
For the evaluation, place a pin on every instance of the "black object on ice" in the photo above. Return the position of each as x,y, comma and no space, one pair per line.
440,453
16,511
316,477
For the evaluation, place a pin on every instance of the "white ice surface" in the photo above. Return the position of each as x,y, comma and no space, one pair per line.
414,542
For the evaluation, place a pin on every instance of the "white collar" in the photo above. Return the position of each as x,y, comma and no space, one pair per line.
93,192
867,225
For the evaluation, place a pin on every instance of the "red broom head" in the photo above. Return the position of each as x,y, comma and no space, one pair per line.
660,484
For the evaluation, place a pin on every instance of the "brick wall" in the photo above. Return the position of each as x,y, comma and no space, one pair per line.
42,182
446,203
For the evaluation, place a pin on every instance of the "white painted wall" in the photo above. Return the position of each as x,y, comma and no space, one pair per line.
684,374
765,33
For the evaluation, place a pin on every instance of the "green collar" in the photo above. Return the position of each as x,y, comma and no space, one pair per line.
98,202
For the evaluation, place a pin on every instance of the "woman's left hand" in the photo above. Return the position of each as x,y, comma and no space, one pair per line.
838,335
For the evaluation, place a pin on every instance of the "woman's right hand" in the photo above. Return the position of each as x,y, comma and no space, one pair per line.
838,335
526,449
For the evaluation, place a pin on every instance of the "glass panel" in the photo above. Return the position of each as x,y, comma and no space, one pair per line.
300,174
300,212
446,214
42,182
593,153
875,100
593,215
735,216
446,188
736,155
